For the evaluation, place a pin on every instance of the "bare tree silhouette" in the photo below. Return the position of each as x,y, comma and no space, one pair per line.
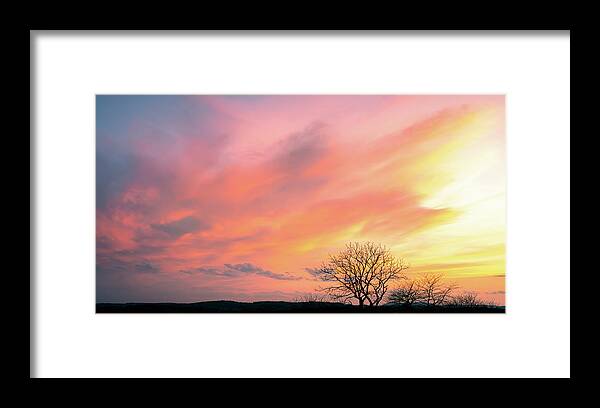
471,299
466,299
428,289
432,289
311,298
406,294
362,271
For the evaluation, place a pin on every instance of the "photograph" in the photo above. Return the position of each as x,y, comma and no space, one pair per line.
300,203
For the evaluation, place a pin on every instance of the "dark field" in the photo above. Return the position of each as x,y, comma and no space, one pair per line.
223,306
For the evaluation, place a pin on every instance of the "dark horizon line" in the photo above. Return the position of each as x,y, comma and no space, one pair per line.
282,306
241,301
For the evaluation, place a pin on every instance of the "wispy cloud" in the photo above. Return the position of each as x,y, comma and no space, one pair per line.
177,228
240,270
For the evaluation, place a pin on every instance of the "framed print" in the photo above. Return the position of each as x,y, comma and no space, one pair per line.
230,204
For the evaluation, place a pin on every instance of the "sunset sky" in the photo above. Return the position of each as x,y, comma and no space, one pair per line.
238,197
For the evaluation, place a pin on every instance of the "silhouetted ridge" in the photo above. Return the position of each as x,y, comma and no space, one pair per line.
230,306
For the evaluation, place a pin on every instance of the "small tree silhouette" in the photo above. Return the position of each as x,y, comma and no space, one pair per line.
466,299
471,300
406,294
428,289
311,298
362,271
433,291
